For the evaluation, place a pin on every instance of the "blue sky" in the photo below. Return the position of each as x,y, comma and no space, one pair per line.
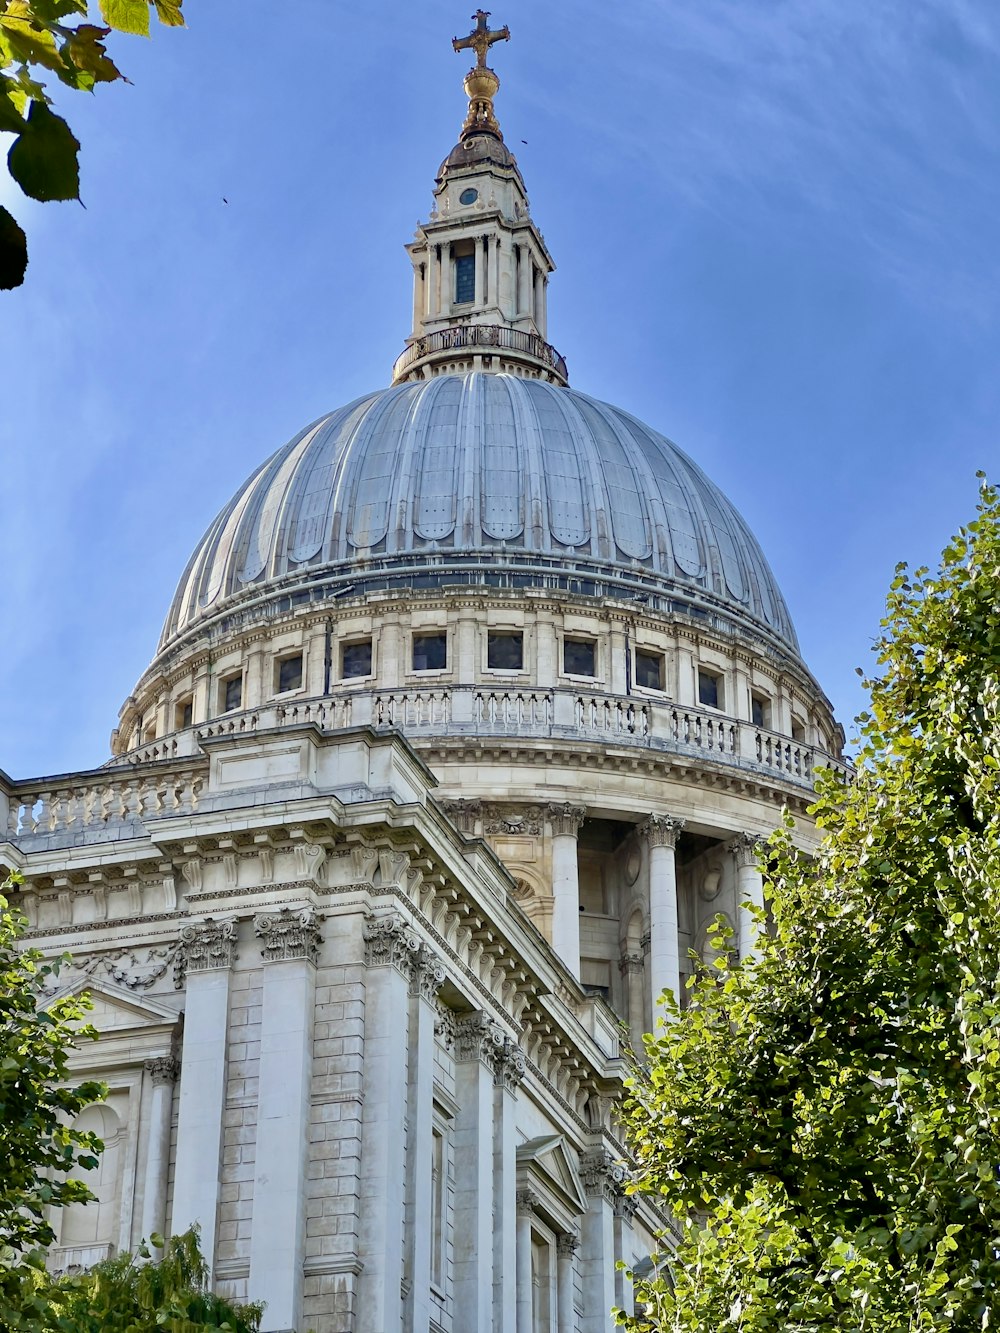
775,225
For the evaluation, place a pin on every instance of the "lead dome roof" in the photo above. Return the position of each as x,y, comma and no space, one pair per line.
481,478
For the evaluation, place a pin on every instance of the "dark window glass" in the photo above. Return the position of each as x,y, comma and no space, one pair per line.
430,652
356,659
602,992
290,673
757,715
233,695
505,652
580,657
648,670
185,712
465,279
708,689
798,729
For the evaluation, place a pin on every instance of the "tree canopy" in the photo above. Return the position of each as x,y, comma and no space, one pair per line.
39,38
824,1122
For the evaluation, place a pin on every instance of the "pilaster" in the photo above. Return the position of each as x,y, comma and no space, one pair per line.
661,833
162,1075
745,849
565,820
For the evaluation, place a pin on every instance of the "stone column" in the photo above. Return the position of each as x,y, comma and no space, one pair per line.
391,948
527,1201
565,821
538,302
431,283
509,1066
543,326
566,1248
523,280
289,950
447,280
745,850
425,982
419,295
162,1075
602,1179
209,949
480,296
493,266
477,1040
625,1207
661,833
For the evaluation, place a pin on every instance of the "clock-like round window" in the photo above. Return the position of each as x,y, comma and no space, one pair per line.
468,196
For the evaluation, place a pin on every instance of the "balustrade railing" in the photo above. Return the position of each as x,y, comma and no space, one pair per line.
109,799
492,337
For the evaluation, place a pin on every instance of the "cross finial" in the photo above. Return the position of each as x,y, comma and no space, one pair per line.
480,39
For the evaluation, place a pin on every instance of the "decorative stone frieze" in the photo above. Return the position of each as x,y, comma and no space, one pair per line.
427,976
661,830
164,1069
209,945
288,934
745,848
513,820
390,942
565,819
602,1174
137,969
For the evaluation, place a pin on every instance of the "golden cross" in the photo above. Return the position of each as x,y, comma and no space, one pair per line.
481,39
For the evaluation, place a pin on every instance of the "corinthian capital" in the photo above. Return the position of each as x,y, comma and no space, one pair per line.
208,945
661,830
745,848
286,934
565,819
390,942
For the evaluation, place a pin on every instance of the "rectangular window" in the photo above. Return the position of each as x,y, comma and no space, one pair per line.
505,652
438,1225
289,673
232,693
709,689
184,712
760,711
465,279
648,670
580,657
430,652
356,659
798,730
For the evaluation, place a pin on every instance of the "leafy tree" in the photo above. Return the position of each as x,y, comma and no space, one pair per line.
39,1150
825,1122
129,1294
39,37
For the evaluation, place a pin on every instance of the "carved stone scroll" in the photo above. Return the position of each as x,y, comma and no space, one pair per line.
209,945
287,934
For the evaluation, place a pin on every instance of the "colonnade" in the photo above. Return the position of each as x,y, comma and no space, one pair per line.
524,294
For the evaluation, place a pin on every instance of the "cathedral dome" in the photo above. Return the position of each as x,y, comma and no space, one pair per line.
482,478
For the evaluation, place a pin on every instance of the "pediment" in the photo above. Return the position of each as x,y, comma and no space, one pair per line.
116,1009
547,1162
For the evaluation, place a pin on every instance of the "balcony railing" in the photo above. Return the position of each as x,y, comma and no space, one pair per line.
487,337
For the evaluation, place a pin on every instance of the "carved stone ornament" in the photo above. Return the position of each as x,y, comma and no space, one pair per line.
565,819
745,849
477,1037
509,1066
463,814
527,1201
661,830
512,820
286,935
626,1207
710,884
138,969
390,942
631,963
162,1070
602,1174
209,945
568,1244
445,1026
427,976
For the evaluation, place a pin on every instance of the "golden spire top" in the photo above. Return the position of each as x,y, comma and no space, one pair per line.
481,84
480,39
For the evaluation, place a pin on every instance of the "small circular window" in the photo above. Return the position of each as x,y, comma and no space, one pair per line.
468,196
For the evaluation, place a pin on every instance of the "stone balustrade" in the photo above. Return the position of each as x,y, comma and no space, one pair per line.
110,800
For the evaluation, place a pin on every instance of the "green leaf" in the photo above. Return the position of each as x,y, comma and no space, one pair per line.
13,252
10,116
127,15
85,48
43,158
169,12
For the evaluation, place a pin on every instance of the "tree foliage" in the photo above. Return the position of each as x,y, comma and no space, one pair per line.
136,1294
824,1122
39,38
39,1149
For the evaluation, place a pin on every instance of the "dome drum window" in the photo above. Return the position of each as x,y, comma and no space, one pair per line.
430,652
184,712
505,651
580,657
356,659
710,693
648,668
231,693
760,710
288,674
